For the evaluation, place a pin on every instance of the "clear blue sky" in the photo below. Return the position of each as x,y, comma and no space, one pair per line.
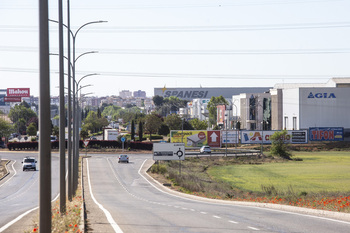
183,43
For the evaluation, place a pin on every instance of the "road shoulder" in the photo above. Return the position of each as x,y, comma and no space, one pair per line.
95,219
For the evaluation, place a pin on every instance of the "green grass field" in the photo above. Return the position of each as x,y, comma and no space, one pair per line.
318,172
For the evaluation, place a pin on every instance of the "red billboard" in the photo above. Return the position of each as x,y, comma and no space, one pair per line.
221,114
214,138
18,92
12,99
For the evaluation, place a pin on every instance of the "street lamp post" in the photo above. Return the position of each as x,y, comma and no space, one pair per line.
44,121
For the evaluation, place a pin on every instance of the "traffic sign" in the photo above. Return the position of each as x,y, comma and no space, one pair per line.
123,139
86,143
168,151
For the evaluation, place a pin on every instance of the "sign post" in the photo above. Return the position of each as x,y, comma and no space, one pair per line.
123,140
86,143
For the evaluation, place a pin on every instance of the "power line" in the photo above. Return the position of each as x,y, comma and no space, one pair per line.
218,28
195,76
195,52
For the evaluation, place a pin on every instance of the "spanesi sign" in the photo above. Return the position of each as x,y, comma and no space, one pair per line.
18,92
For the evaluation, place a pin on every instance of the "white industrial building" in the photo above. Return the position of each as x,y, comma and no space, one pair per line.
294,106
318,106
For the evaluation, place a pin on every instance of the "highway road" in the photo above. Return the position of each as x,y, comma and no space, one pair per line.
19,192
134,204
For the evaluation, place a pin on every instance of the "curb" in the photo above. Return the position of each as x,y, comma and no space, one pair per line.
82,212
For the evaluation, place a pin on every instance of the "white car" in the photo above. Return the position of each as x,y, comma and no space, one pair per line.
205,149
29,163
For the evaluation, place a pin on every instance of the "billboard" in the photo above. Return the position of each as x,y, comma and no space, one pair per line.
258,137
168,151
221,114
18,92
326,134
196,138
13,99
230,136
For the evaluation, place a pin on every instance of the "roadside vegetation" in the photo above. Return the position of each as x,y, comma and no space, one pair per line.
318,180
70,220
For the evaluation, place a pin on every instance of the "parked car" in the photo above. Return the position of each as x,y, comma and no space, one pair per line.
29,163
93,138
2,144
205,149
123,158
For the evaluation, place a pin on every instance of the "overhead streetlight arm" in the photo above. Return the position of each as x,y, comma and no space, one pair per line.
55,21
88,75
93,22
84,54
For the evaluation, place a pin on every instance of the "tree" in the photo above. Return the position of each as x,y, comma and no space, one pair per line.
133,130
212,107
56,131
198,124
32,129
84,133
140,131
163,130
152,124
158,100
173,121
5,128
94,123
279,146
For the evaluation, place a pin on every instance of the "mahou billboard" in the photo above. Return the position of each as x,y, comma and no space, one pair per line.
18,92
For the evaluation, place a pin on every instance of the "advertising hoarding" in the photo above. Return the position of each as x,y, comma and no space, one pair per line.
168,151
18,92
326,134
258,137
230,136
196,138
221,114
13,99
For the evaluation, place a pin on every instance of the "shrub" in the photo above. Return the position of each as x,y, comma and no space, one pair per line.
279,145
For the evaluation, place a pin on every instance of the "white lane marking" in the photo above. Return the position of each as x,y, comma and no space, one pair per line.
253,228
25,213
233,222
11,176
215,216
106,212
203,212
229,204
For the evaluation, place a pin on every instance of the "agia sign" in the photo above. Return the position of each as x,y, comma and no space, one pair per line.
18,92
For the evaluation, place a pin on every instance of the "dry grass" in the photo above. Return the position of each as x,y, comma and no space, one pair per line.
196,178
3,170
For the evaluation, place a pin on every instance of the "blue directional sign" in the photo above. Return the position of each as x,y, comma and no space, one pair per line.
123,139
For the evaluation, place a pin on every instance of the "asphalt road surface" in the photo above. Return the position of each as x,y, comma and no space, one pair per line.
19,192
132,203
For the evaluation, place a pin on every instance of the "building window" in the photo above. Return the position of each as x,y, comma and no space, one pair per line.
295,123
285,122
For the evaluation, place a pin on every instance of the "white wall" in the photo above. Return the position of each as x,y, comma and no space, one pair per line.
324,111
291,108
